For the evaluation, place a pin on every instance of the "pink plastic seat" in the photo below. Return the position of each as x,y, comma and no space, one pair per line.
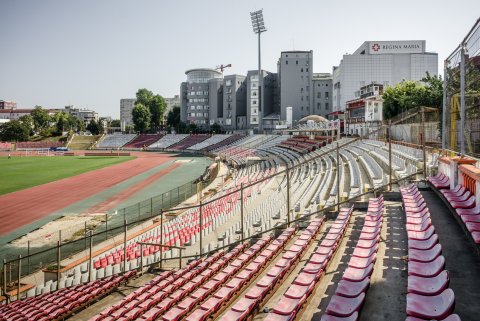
469,203
357,275
352,289
367,244
328,317
343,306
425,255
421,236
428,286
428,269
296,291
470,218
198,315
305,279
460,197
423,245
473,226
431,307
362,262
313,268
287,306
468,211
318,258
257,292
365,253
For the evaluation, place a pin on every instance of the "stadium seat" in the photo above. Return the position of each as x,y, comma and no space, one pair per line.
431,307
428,285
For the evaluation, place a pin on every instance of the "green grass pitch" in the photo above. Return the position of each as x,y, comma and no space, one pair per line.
23,172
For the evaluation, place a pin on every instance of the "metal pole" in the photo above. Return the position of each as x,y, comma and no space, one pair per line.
444,107
260,114
85,235
151,206
139,211
5,278
124,246
19,276
28,256
423,145
338,177
462,100
161,237
288,196
141,257
201,229
106,226
90,257
58,262
241,211
390,170
180,258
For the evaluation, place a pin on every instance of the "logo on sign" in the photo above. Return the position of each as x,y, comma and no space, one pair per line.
376,47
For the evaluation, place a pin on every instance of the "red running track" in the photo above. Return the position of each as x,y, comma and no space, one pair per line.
20,208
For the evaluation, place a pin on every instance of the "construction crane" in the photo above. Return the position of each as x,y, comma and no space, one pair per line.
223,67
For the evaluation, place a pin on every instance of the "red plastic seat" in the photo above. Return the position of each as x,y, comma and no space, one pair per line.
473,226
365,253
296,291
468,211
469,203
428,269
431,307
357,275
367,244
423,245
470,218
318,258
198,315
352,289
287,306
257,292
425,255
428,286
460,197
362,262
304,278
421,236
343,306
328,317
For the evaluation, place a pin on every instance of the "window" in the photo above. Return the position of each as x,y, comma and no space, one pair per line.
307,68
319,106
319,95
254,102
326,106
296,62
301,89
301,69
326,95
286,62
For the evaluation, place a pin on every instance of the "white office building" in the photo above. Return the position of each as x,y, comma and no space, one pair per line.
126,107
381,62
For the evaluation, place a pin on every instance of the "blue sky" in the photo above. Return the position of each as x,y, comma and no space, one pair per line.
91,53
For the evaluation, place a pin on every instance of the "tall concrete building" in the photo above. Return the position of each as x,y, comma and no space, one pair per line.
322,93
195,94
261,111
126,107
295,71
85,115
234,102
381,62
172,102
8,104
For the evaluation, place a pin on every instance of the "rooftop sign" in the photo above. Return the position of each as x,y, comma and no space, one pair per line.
396,47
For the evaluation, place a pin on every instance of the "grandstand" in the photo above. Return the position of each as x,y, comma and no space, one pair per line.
168,140
275,242
143,140
115,140
83,142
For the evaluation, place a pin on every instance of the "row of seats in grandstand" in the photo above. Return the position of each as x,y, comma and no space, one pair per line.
182,291
428,294
244,308
168,140
60,304
116,140
305,282
189,141
143,140
463,202
212,140
228,141
351,290
5,146
35,145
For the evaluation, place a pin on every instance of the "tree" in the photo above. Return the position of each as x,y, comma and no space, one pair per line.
115,123
94,127
61,122
192,128
75,124
141,118
14,130
409,94
155,104
216,128
40,118
173,116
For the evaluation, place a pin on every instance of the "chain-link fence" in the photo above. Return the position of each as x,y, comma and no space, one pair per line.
461,116
112,224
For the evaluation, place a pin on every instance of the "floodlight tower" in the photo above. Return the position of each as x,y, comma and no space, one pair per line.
259,27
